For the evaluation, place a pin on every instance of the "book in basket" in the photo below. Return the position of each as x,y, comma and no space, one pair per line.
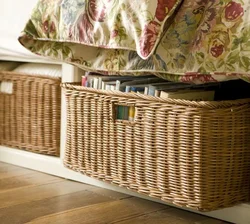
196,95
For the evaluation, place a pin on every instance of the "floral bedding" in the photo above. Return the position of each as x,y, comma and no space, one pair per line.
181,40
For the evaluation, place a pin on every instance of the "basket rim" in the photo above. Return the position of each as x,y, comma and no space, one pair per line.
75,86
12,75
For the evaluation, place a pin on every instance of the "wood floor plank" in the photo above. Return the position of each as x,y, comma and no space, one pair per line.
7,168
5,164
29,180
28,211
14,171
40,192
108,193
103,213
176,216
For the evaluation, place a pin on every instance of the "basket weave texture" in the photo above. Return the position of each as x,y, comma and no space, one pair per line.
192,154
30,116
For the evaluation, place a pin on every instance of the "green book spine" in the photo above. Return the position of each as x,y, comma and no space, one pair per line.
120,112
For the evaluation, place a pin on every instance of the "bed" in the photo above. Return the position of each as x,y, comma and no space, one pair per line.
182,40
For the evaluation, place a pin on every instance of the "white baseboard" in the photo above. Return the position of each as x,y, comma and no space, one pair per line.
239,214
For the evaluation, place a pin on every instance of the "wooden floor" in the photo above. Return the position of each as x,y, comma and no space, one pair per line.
27,196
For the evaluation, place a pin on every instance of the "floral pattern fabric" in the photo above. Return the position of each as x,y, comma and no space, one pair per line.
180,40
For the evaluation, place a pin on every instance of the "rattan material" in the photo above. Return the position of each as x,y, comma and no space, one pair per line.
30,116
192,154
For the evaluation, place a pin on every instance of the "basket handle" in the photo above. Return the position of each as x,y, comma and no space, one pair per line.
8,78
7,87
126,113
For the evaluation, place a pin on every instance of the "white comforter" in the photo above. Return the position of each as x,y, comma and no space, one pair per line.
13,16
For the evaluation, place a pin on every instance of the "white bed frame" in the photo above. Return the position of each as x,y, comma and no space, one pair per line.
239,214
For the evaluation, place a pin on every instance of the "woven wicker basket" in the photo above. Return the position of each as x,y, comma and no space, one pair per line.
30,116
192,154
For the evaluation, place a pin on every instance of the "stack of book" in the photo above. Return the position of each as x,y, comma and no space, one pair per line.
149,85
